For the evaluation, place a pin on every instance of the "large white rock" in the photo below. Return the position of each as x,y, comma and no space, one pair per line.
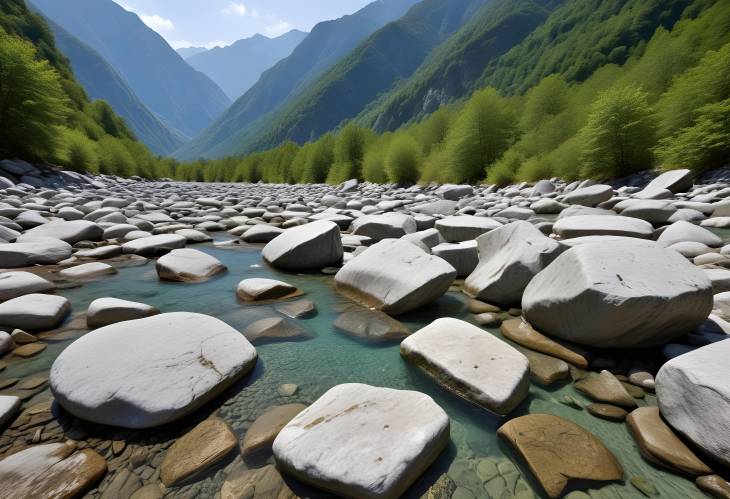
509,257
599,225
154,245
9,407
693,391
87,271
187,264
394,276
389,225
470,362
70,231
147,372
261,289
686,231
654,211
14,284
105,311
590,196
311,246
34,312
674,181
618,293
261,233
459,228
463,256
41,251
360,441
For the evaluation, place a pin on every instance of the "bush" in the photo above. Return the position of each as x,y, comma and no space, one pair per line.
403,160
319,160
619,135
114,158
373,165
504,171
80,153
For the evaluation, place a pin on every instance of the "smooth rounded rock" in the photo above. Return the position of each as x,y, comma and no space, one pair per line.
598,225
87,271
34,312
70,231
154,245
310,246
260,289
262,432
188,265
14,284
106,311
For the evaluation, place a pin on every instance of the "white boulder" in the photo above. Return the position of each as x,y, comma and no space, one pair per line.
105,311
14,284
41,251
360,441
87,271
459,228
34,312
599,225
389,225
147,372
589,196
186,265
311,246
154,245
470,362
70,231
686,231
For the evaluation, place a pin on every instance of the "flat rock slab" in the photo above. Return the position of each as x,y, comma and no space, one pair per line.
106,311
87,271
694,397
599,225
658,443
361,441
147,372
70,231
520,331
545,369
259,289
606,388
607,411
275,328
371,325
154,245
299,309
262,483
394,276
262,433
52,470
29,350
714,485
188,265
34,312
558,451
14,284
196,451
41,251
471,363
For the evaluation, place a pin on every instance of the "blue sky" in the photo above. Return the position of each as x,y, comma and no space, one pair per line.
209,23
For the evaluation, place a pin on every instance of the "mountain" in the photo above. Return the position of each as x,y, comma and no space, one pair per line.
101,81
514,44
371,69
237,67
325,45
186,52
185,99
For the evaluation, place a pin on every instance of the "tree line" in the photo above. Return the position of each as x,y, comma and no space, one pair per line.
667,106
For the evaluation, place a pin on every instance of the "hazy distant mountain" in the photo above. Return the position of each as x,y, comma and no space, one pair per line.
328,42
184,98
237,67
186,52
101,81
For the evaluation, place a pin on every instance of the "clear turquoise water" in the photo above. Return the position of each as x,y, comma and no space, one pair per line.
331,357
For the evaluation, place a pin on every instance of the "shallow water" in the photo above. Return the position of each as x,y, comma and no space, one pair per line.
331,357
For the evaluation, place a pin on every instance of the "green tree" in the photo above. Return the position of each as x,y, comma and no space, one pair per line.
80,152
432,131
484,130
403,160
547,99
619,135
349,150
319,160
33,105
114,158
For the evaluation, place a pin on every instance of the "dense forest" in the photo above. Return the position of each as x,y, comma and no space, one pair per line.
643,86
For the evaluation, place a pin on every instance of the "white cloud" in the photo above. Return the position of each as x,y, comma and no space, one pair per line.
235,9
157,23
255,14
278,28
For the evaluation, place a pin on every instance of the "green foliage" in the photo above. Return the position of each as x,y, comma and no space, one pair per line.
318,160
33,106
505,169
80,152
403,160
484,130
114,157
373,165
544,101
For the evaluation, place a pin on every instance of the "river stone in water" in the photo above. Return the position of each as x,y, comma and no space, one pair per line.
471,363
154,245
274,328
370,324
660,445
87,271
260,289
522,333
41,251
188,265
310,246
394,276
34,312
70,232
361,441
147,372
693,391
606,388
558,451
618,294
196,451
509,257
51,470
262,483
14,284
263,431
105,311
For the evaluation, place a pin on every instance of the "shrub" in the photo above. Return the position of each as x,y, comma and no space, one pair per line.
403,160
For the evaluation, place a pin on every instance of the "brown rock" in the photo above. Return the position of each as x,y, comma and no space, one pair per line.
714,485
267,426
606,388
369,324
8,382
20,337
50,471
658,443
274,328
118,446
558,450
29,350
479,307
196,451
545,369
520,331
633,390
297,309
607,411
264,483
123,485
151,491
32,383
3,365
444,487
